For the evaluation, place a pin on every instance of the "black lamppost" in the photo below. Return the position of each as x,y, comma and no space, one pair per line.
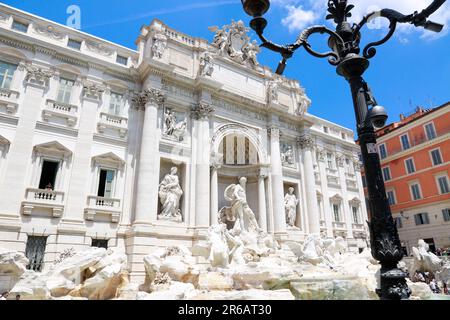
345,55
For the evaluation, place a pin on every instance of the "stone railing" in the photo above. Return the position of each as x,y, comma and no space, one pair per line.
103,206
333,181
94,201
9,101
339,225
114,122
358,226
60,110
39,198
41,195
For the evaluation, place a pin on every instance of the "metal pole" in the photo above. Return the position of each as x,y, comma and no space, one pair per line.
385,241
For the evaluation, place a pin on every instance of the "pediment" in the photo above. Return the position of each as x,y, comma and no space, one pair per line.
336,198
355,201
53,148
4,141
109,159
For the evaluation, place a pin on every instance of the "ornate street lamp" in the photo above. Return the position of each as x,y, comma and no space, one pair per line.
346,55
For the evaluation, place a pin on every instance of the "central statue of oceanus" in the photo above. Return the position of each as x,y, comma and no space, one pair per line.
237,238
239,212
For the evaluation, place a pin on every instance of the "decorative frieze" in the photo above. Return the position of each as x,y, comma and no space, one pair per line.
287,155
202,110
149,96
241,110
173,128
99,48
48,31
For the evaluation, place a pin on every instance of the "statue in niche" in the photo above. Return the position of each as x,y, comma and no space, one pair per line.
290,205
287,157
240,210
170,193
174,129
206,65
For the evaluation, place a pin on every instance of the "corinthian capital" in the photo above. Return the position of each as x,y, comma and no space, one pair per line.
38,76
202,110
274,131
305,141
149,96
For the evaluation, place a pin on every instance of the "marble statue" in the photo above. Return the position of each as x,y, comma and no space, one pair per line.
232,41
173,128
287,157
206,64
424,260
240,210
250,53
159,45
302,105
272,90
290,205
170,193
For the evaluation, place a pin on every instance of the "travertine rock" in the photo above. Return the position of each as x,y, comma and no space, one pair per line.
253,294
12,262
420,290
176,291
214,281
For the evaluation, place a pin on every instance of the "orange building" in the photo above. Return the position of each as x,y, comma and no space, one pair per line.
415,160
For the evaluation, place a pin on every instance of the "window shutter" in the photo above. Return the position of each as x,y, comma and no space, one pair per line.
417,219
426,218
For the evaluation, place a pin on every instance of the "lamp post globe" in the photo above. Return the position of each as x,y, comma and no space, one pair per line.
256,8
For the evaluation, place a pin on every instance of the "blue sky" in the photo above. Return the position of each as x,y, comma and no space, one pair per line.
412,70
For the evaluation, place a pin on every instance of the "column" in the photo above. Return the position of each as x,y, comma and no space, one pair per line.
277,182
201,113
262,206
92,95
214,194
328,215
306,143
345,204
149,162
12,188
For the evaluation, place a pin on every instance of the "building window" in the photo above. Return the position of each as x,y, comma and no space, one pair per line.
106,183
6,74
65,90
443,184
336,212
344,136
383,151
35,251
410,167
391,197
100,243
415,191
405,142
421,219
74,44
436,157
398,222
387,174
446,214
364,181
326,129
20,26
430,131
48,175
122,60
355,212
116,104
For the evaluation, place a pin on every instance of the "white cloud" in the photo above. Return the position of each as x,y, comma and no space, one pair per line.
298,18
303,13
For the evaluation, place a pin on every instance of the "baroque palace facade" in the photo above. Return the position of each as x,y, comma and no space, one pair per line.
105,146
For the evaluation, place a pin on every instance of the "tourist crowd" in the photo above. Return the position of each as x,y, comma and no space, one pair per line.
428,278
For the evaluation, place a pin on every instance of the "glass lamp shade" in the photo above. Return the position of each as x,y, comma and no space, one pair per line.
256,8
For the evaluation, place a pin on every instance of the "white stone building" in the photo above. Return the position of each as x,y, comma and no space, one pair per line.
89,129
